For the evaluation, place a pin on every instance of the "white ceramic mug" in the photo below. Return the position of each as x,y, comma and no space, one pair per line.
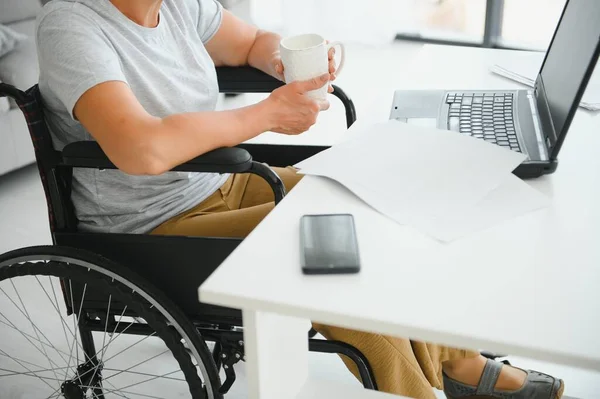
306,57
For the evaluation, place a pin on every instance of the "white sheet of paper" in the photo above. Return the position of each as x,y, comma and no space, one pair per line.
525,67
511,199
419,172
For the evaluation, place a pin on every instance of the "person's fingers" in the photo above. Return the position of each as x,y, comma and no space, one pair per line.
279,68
332,63
332,66
323,105
330,89
315,107
312,84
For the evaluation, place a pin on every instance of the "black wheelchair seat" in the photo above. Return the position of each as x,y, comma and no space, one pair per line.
175,265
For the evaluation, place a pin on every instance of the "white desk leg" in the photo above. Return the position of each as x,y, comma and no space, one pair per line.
276,354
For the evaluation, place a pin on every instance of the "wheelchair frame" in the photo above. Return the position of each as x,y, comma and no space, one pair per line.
147,255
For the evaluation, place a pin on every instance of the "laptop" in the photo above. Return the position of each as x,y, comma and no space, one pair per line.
534,122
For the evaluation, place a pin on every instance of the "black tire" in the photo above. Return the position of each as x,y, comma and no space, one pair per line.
162,316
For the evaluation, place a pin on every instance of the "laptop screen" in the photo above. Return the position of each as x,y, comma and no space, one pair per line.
571,53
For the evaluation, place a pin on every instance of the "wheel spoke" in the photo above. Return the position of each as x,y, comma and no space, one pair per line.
135,376
71,356
75,324
118,353
113,336
55,394
115,355
147,375
25,367
80,308
149,379
103,339
64,325
35,329
13,372
117,391
129,347
33,373
3,353
55,305
95,369
138,364
28,335
105,327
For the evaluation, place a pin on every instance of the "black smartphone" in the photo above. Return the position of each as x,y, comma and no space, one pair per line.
329,244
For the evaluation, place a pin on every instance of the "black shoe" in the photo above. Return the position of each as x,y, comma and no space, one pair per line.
536,386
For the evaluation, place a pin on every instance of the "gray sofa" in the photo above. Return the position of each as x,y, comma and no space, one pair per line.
19,68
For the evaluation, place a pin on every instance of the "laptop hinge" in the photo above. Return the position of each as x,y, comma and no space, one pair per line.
537,124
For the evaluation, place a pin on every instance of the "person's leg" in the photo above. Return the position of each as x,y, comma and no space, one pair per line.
232,211
249,190
237,223
401,366
411,368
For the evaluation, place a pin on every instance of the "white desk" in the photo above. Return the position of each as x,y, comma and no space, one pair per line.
527,287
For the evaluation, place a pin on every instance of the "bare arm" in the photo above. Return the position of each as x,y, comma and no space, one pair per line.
238,43
141,144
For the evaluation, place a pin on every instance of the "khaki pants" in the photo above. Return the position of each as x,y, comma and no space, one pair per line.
401,366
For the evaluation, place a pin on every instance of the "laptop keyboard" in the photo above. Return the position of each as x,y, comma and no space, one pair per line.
487,116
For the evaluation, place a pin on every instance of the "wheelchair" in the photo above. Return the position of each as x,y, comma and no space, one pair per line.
71,311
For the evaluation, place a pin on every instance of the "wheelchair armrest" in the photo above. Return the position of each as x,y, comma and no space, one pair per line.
251,80
245,80
280,155
88,154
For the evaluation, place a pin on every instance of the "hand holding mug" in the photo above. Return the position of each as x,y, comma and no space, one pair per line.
305,57
291,111
333,69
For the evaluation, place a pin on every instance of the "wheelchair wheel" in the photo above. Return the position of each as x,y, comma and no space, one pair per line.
75,325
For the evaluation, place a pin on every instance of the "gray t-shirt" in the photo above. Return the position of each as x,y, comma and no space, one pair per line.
82,43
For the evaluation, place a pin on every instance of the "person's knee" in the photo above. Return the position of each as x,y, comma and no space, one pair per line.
290,177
